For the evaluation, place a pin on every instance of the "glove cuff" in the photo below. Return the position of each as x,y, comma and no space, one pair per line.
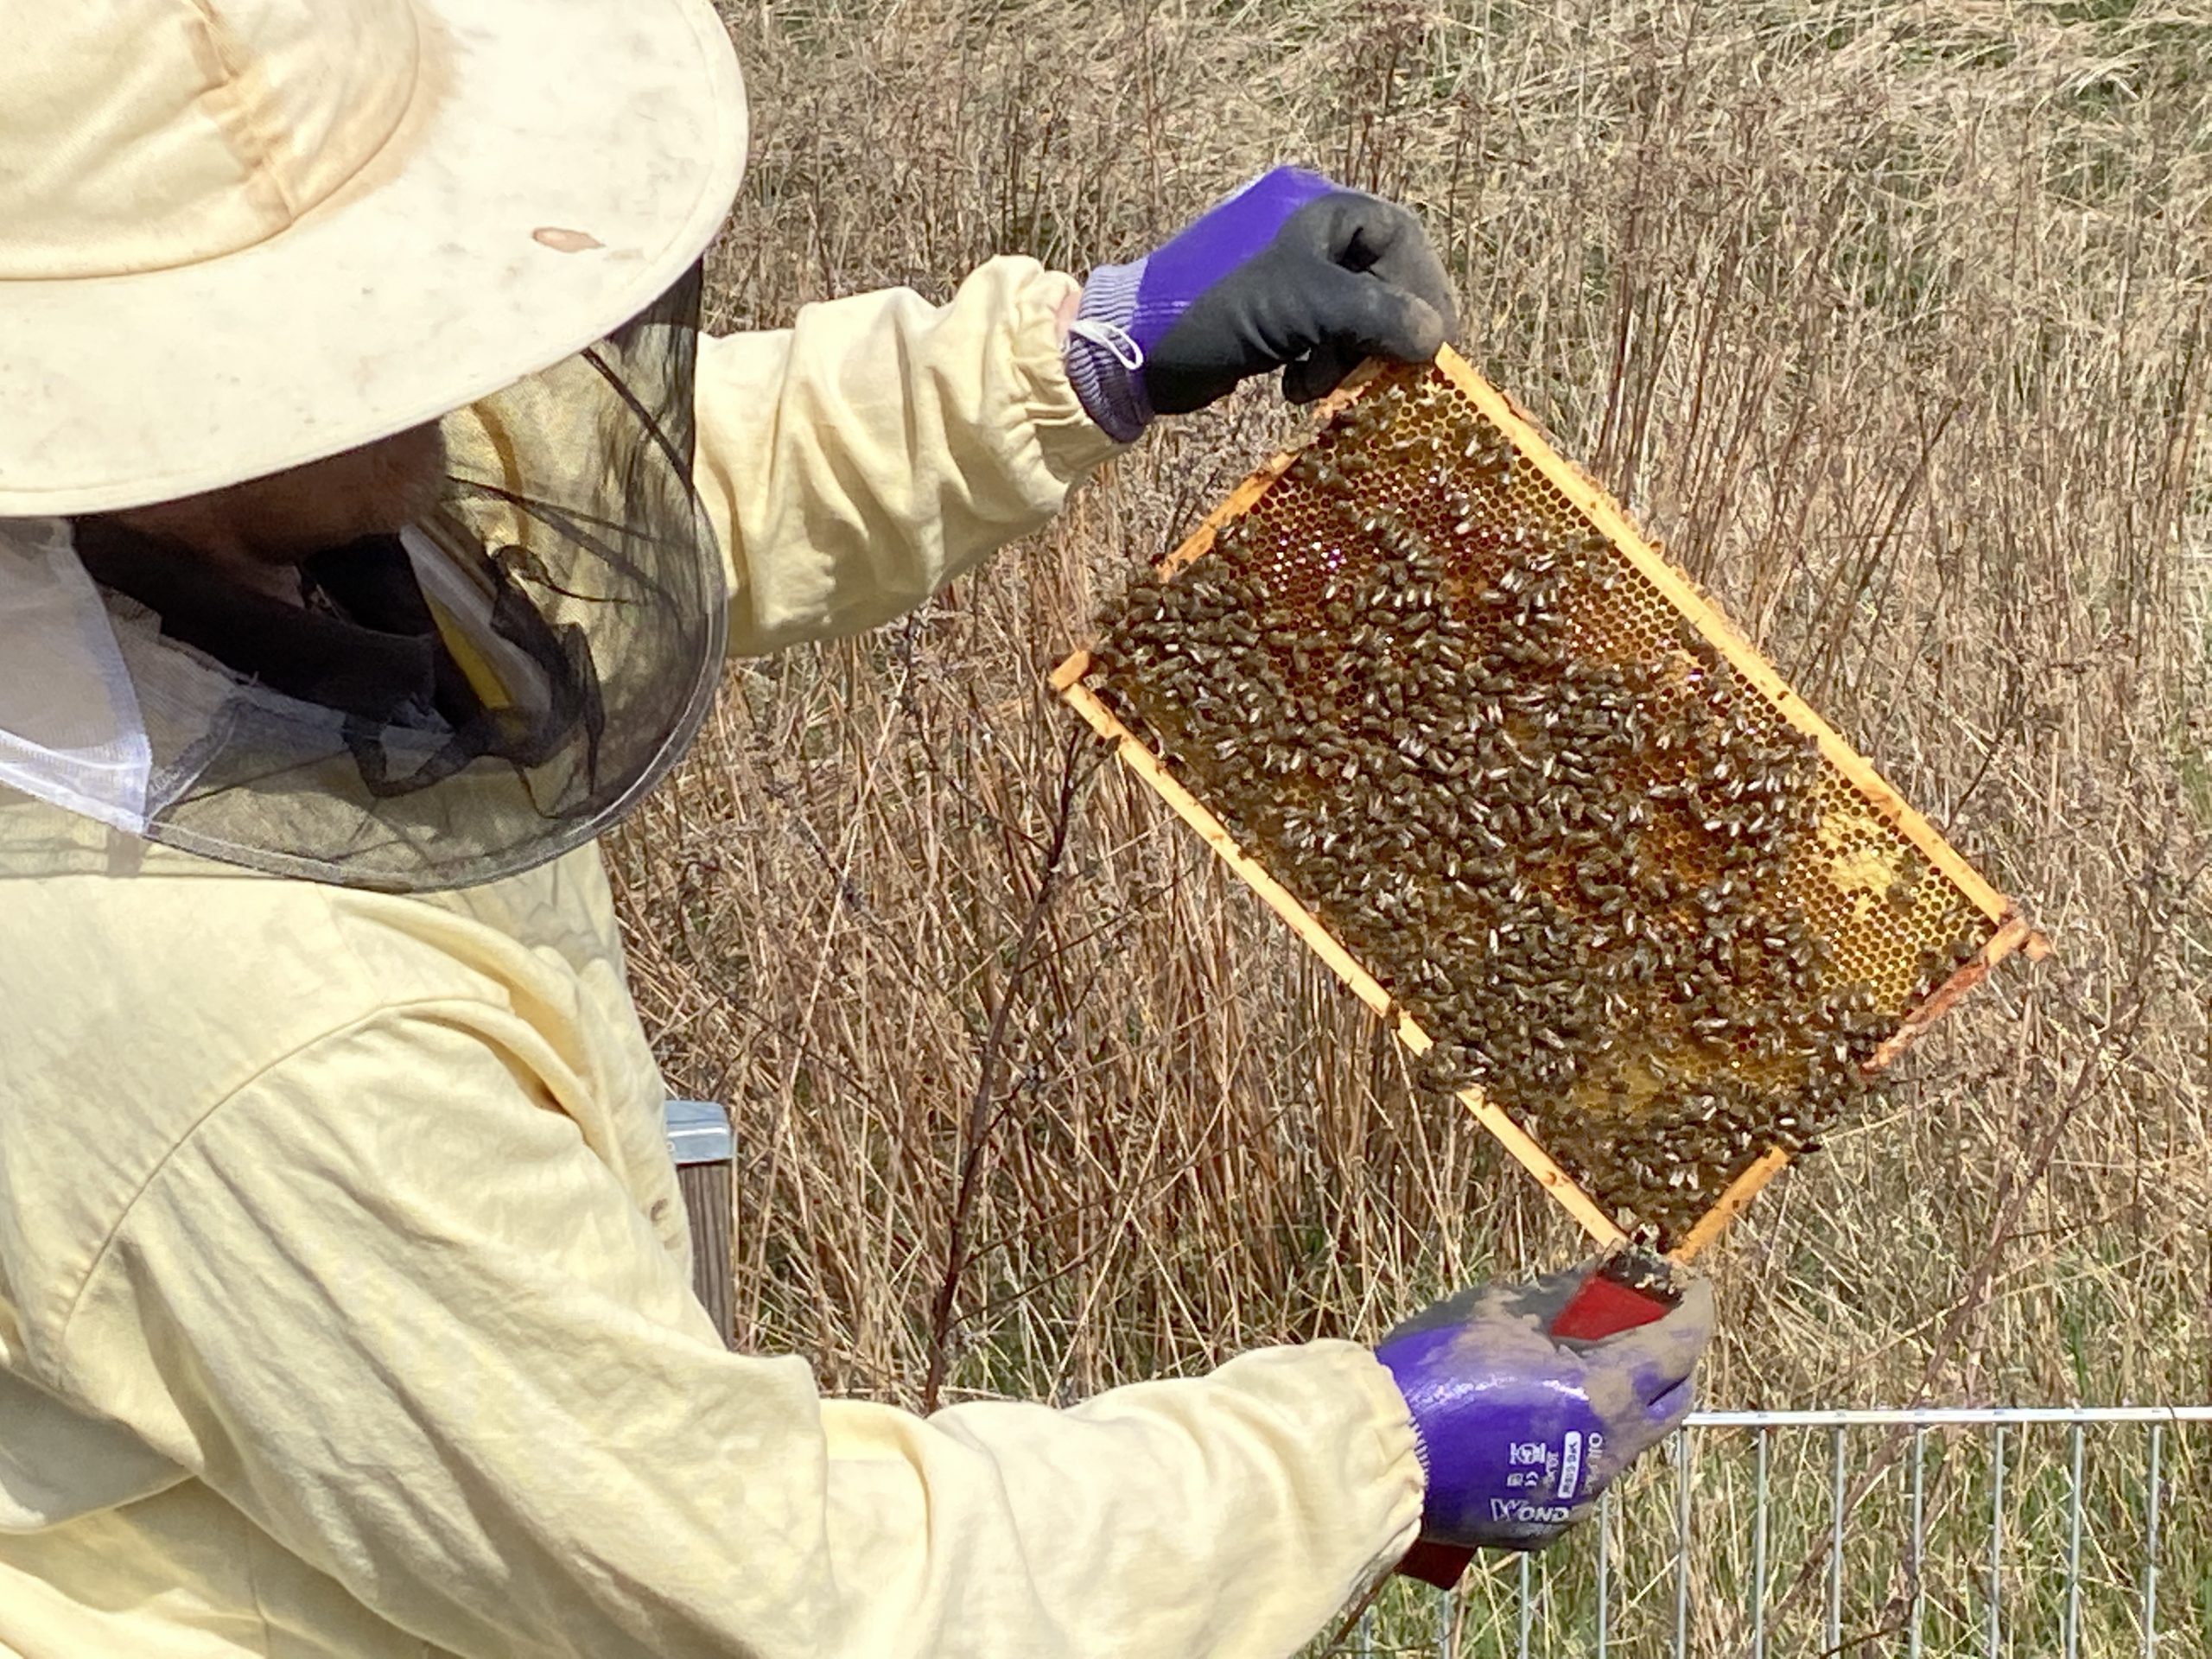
1413,1416
1102,358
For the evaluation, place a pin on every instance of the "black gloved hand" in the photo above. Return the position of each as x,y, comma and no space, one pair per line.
1292,271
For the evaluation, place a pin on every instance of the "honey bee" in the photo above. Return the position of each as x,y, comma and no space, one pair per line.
1399,678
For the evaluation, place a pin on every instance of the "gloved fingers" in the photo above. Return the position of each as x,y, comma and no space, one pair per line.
1533,1303
1383,243
1382,239
1687,1327
1664,1414
1536,1302
1457,1309
1547,1294
1643,1425
1660,1356
1321,371
1530,1302
1357,314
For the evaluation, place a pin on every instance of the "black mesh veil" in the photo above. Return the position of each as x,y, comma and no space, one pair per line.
480,693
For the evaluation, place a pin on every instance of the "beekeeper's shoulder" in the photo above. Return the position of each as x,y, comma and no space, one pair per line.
143,987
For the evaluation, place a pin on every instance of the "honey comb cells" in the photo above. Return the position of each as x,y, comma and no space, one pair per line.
1629,899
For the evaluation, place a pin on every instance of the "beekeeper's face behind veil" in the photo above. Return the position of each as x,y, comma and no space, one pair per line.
345,520
257,533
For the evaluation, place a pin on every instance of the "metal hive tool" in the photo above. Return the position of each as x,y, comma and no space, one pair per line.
1423,686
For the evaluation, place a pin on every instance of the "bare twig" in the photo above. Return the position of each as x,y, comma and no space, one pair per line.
982,1113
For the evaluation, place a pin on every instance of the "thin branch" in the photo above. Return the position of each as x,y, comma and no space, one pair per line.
982,1116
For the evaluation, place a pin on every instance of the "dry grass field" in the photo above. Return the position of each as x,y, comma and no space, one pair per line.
1893,321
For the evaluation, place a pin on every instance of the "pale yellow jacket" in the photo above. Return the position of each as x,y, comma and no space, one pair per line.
345,1303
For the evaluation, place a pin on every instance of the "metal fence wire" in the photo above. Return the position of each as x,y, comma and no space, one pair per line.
2071,1533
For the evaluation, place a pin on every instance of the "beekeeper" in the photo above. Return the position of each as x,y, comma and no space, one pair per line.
373,522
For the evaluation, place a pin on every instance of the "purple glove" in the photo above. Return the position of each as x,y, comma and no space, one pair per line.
1292,272
1520,1431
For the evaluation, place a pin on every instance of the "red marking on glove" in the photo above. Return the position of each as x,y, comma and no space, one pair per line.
1439,1564
1604,1308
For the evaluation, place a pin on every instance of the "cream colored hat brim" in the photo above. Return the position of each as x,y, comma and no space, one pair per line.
558,169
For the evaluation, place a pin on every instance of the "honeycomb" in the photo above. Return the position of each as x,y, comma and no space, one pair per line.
1630,893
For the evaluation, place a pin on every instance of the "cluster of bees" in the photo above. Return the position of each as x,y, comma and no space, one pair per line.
1567,856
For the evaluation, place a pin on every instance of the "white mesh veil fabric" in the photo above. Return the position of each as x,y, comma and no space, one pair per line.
70,730
478,694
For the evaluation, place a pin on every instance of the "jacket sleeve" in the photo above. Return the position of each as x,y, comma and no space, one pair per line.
423,1338
860,460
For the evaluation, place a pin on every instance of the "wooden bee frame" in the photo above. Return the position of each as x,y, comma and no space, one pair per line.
2010,931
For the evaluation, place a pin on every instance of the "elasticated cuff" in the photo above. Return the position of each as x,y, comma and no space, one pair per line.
1107,385
1401,1455
1071,440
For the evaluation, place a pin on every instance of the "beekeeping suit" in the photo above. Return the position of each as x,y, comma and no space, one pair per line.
345,1302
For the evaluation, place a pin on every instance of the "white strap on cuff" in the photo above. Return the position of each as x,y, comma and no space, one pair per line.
1111,335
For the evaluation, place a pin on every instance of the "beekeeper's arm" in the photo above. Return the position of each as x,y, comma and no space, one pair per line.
384,1300
860,460
386,1303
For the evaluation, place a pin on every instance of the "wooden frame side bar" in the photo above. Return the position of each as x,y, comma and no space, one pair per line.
1730,1205
1741,653
2014,934
1323,945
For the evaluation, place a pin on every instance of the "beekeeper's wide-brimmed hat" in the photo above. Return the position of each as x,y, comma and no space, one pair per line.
240,235
237,235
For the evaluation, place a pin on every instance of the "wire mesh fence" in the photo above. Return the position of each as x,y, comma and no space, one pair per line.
2076,1533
